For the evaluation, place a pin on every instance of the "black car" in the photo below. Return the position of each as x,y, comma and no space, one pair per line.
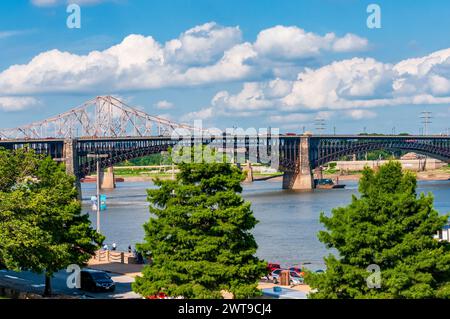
96,280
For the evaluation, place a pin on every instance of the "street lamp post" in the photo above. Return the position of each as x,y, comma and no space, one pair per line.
98,157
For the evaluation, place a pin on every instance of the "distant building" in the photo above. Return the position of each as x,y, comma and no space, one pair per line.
444,234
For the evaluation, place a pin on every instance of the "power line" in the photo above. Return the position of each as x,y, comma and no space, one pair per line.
320,125
426,120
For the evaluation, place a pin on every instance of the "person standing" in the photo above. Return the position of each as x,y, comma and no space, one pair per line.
114,246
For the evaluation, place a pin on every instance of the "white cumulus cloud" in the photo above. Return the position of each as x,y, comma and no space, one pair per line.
294,43
202,44
164,105
138,62
204,54
343,88
12,103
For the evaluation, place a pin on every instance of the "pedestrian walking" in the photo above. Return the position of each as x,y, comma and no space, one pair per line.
114,246
105,247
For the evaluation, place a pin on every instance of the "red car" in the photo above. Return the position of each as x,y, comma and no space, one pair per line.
271,267
159,295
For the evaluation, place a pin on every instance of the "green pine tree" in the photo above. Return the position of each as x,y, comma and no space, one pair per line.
389,226
42,228
199,236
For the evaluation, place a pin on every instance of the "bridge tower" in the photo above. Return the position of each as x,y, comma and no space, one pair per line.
302,177
71,161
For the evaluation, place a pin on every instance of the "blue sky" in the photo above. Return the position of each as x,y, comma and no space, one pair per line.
245,63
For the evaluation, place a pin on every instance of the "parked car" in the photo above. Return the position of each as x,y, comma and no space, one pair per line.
271,267
298,270
275,275
159,295
294,277
96,281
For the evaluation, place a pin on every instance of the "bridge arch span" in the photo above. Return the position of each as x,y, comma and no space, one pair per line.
431,151
117,155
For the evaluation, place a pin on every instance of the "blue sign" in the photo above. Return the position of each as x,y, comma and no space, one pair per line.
102,202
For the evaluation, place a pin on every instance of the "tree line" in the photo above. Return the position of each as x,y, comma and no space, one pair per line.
199,233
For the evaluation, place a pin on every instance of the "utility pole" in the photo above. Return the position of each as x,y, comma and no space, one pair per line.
97,157
426,120
320,125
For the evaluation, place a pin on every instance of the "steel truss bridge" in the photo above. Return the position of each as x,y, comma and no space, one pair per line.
106,125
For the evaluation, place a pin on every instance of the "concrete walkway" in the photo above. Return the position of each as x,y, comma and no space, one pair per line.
130,270
267,284
133,270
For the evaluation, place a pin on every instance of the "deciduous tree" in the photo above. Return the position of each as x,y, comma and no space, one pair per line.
42,228
389,226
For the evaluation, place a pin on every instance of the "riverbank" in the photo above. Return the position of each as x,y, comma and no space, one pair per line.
432,175
437,175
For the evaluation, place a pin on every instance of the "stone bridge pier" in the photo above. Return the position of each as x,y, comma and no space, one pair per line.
107,179
69,156
248,170
302,178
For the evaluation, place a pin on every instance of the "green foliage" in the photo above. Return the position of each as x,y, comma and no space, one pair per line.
331,168
199,236
392,227
41,225
150,160
332,165
377,155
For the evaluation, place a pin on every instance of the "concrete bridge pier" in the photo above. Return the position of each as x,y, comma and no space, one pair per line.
107,179
302,177
248,170
69,155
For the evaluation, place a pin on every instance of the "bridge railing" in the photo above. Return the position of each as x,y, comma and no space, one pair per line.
110,256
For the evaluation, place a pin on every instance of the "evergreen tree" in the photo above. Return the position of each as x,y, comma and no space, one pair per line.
199,236
41,225
389,226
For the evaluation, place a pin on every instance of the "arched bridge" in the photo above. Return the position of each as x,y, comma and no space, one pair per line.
105,125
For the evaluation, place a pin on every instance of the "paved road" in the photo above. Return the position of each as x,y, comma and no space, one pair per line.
28,281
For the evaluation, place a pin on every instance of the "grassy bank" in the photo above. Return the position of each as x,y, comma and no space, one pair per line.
125,172
145,172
